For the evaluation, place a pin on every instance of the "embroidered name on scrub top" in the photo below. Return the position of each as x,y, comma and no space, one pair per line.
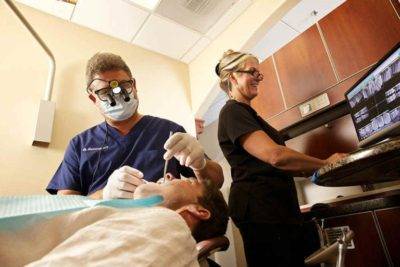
94,148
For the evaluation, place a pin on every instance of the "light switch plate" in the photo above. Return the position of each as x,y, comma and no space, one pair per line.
314,105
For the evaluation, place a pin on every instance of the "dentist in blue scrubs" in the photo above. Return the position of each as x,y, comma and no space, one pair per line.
112,158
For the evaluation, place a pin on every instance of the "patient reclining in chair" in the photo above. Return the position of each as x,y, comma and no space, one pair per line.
164,235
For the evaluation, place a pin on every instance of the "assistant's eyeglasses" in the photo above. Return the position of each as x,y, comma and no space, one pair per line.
253,72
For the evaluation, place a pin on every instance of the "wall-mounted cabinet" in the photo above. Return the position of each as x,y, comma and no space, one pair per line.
396,4
330,57
284,119
304,68
359,33
336,93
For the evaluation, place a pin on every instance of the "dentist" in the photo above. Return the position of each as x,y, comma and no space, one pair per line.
112,158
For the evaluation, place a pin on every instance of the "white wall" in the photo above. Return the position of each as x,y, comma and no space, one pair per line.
234,256
314,193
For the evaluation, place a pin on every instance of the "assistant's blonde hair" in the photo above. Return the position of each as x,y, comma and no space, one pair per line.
230,62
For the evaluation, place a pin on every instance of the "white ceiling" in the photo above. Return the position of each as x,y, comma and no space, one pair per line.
180,29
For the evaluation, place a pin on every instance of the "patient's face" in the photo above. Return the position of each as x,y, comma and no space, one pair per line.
176,192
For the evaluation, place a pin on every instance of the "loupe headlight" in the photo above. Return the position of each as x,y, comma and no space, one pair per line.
123,88
117,89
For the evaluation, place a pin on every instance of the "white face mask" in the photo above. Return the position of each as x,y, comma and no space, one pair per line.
122,110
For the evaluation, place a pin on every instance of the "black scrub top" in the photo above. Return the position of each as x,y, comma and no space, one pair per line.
260,193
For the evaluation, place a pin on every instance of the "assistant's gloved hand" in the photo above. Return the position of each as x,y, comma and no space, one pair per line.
186,149
122,183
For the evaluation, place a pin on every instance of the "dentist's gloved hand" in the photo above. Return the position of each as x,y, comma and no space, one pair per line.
122,183
186,149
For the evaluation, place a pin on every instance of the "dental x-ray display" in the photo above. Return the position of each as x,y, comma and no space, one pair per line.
375,99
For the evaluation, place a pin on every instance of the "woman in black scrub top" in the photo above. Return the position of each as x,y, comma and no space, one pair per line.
263,201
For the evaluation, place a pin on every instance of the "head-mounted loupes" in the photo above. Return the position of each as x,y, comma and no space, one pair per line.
109,89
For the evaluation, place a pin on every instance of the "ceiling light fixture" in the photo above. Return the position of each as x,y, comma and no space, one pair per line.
148,4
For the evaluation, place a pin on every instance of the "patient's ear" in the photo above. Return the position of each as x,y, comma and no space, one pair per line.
198,211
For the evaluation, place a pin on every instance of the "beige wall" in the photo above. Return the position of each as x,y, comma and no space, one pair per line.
162,83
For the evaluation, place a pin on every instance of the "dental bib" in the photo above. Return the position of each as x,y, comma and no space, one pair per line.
17,212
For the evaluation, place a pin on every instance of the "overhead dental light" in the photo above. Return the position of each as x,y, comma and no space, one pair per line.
44,123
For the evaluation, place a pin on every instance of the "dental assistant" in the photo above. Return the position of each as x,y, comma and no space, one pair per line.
262,201
112,158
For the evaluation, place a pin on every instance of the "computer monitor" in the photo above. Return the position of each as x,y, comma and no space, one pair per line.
374,100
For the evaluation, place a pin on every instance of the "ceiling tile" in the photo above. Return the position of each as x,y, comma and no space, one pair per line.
56,8
166,37
117,18
278,36
196,49
229,16
301,17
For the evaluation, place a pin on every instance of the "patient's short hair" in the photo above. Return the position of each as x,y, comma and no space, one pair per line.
213,200
102,62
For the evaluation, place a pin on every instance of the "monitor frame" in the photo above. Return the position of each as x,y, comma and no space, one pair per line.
387,132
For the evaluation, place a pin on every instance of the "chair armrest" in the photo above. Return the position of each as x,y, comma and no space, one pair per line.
209,246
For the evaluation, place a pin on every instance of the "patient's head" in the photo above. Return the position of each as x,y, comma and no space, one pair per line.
201,204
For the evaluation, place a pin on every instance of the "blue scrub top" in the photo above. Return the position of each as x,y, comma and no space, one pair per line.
142,148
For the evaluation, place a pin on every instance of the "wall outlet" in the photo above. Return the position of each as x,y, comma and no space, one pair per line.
314,105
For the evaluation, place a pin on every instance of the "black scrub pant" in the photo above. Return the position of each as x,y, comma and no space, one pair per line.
272,244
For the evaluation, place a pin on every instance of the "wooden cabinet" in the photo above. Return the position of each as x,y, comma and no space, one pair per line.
285,119
338,136
396,4
336,93
389,222
303,67
359,33
376,236
368,249
269,100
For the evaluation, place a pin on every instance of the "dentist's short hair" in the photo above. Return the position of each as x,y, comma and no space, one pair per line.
102,62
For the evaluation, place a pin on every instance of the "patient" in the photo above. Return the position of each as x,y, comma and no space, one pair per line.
153,236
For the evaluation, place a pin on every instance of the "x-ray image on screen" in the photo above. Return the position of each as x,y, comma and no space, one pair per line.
375,99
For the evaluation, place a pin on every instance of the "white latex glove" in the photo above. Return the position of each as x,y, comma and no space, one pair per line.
122,183
186,149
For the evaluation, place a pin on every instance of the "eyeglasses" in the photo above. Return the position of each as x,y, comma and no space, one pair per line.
253,72
107,88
